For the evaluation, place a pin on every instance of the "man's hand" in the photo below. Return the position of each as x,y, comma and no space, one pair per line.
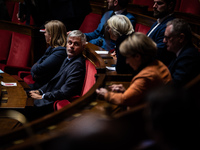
35,94
34,91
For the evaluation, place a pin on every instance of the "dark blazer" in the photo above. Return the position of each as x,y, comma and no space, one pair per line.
66,83
48,65
97,37
157,36
186,66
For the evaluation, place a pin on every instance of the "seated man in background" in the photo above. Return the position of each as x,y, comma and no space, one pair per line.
163,11
68,81
178,39
99,36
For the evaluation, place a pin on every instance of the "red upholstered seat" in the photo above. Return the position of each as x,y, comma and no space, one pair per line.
20,50
141,28
88,83
29,80
19,53
5,38
192,6
90,23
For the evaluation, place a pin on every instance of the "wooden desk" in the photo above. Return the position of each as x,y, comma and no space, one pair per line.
14,97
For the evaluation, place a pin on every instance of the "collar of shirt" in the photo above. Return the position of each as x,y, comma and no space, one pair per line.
119,11
159,20
69,58
177,53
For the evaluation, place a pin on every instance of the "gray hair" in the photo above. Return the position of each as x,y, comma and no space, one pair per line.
181,26
77,33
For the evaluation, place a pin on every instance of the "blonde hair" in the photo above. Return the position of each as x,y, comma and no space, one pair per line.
139,43
58,33
119,25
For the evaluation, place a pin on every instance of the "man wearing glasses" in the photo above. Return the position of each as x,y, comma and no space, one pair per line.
178,39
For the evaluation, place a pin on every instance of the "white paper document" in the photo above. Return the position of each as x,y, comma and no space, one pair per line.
1,71
102,52
111,68
8,83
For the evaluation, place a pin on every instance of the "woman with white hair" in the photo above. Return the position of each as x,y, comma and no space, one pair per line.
119,27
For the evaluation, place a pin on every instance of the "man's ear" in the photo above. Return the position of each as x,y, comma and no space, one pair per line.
138,56
115,2
182,37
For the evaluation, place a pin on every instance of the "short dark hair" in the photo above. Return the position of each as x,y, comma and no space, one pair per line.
123,3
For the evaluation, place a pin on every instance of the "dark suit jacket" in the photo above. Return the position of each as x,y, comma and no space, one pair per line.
48,65
66,83
186,66
97,37
157,36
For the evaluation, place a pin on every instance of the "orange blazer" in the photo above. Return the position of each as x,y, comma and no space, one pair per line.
155,74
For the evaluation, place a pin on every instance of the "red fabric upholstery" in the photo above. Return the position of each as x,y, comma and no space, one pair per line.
89,76
89,81
141,28
61,103
20,50
29,80
148,3
5,41
192,7
10,7
178,3
90,23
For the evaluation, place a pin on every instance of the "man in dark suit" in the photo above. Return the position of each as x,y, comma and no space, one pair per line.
99,37
69,80
178,39
163,11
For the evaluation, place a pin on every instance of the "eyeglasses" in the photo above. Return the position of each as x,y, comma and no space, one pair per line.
167,38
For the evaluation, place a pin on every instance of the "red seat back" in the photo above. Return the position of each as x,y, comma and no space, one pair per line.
89,81
192,6
20,50
141,28
148,3
90,23
89,77
5,38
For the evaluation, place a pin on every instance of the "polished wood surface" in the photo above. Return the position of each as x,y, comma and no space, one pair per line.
14,96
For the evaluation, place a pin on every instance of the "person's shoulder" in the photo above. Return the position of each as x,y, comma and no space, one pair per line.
59,48
190,50
109,12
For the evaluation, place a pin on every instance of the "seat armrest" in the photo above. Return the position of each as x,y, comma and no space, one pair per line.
23,74
13,70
